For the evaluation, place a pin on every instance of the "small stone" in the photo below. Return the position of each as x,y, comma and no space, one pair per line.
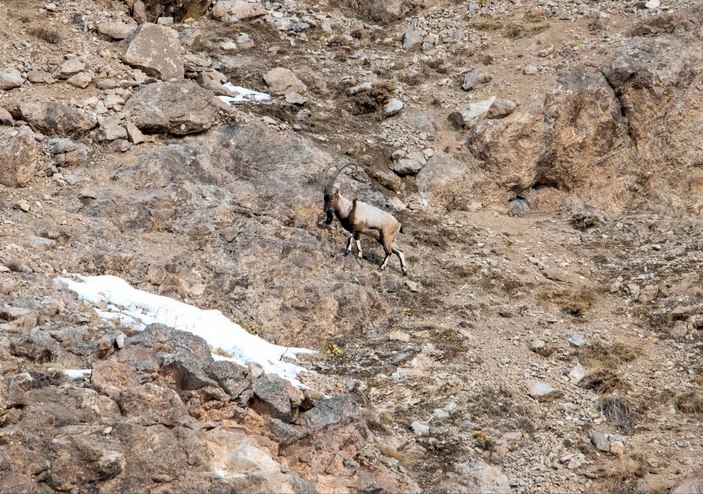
412,40
111,130
81,80
599,440
393,107
680,443
419,428
228,45
501,108
577,340
530,70
652,4
470,80
135,135
10,78
71,67
545,52
283,81
577,374
542,391
413,286
245,41
23,205
554,274
5,117
537,345
440,414
106,84
40,77
50,7
116,30
399,336
296,99
119,340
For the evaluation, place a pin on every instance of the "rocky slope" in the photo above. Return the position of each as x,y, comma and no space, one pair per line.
543,157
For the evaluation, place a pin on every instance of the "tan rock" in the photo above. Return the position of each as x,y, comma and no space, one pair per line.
283,81
19,156
156,50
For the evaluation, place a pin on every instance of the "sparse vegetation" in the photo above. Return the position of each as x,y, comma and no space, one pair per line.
47,35
620,411
572,302
691,402
608,356
603,381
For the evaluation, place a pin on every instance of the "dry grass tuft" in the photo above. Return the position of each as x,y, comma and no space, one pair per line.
572,302
486,23
621,412
608,357
691,402
46,35
602,381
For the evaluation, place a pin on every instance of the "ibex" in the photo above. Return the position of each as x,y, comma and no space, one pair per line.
357,217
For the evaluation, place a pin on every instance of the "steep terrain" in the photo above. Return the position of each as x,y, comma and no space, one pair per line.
543,157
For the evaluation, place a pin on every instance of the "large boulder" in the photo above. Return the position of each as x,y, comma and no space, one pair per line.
156,50
55,117
441,180
178,9
18,159
237,10
179,108
384,10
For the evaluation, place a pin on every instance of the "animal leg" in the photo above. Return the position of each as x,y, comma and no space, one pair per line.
401,256
349,244
358,245
387,247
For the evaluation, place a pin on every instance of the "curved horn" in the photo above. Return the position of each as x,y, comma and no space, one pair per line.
330,182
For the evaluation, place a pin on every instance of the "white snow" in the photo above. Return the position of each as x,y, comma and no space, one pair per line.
244,95
115,300
75,373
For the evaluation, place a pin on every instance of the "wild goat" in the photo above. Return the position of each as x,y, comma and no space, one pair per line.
357,217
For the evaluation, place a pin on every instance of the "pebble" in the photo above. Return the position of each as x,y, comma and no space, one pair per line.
440,414
542,391
399,336
577,373
393,107
23,205
530,70
420,428
577,340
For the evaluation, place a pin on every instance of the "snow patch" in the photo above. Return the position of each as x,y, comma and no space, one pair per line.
244,95
74,373
116,301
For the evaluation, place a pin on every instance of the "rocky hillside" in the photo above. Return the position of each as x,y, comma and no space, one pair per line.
545,161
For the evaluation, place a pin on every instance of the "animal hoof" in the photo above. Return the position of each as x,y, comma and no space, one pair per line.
360,256
347,252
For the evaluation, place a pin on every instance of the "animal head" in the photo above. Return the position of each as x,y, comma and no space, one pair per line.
331,195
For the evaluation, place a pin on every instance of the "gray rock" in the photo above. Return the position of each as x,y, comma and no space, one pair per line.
436,180
40,77
5,117
331,411
116,30
286,434
501,108
412,40
481,478
419,428
230,376
542,391
10,78
181,107
577,340
689,486
19,156
577,373
283,81
410,165
135,135
393,107
55,117
156,50
237,10
470,80
471,113
272,399
530,70
554,274
81,80
110,130
67,152
600,441
71,67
